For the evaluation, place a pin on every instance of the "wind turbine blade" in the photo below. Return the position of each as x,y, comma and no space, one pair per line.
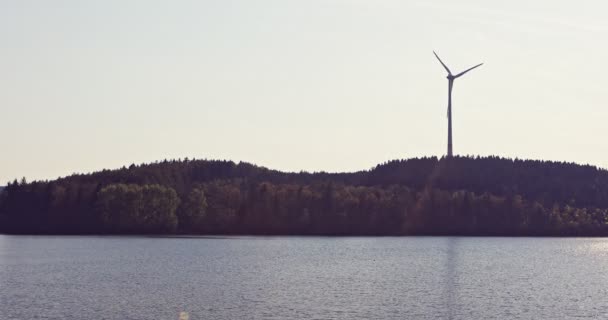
443,64
469,69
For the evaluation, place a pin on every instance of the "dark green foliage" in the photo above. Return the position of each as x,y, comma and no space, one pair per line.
193,211
224,199
460,195
132,208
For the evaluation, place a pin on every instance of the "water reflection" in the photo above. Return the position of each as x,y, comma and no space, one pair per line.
594,246
450,286
303,278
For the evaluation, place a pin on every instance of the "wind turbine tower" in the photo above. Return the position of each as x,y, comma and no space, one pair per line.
451,79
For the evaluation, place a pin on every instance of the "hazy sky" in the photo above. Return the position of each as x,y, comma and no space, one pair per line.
333,85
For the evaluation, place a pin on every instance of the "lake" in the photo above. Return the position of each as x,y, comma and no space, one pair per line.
74,277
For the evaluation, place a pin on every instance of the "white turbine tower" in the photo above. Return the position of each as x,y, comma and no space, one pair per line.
451,79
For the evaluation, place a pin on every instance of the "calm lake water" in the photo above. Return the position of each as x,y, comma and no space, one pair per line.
302,278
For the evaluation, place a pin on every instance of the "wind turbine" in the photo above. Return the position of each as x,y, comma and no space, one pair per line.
451,79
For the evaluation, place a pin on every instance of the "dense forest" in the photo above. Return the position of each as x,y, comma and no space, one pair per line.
430,196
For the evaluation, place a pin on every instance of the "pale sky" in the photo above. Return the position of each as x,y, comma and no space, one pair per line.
334,85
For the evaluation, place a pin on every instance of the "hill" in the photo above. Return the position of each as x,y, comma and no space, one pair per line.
460,196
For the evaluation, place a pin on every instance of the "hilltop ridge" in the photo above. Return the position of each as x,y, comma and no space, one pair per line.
459,195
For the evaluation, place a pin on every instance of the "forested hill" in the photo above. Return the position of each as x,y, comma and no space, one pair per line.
460,195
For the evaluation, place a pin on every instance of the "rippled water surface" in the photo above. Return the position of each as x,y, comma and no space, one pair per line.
302,278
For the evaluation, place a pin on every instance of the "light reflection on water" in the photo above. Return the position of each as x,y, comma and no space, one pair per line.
597,246
302,278
450,276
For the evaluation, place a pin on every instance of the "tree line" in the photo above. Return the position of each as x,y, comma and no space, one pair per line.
459,196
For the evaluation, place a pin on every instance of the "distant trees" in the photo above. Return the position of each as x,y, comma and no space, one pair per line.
224,199
126,208
475,196
193,211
